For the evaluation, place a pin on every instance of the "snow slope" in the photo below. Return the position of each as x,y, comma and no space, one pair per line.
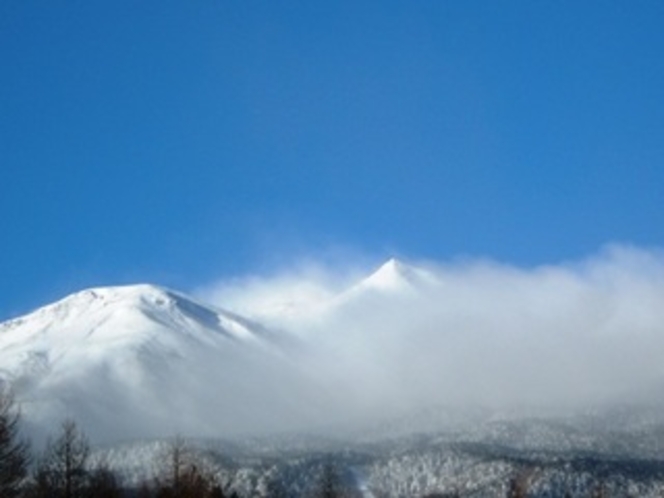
141,361
144,361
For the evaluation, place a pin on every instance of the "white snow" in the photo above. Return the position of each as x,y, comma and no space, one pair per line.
144,361
137,361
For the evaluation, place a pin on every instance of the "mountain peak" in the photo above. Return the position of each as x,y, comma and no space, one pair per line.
135,313
117,346
396,276
394,265
93,300
125,294
391,275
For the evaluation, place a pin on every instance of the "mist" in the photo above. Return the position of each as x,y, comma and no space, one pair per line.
322,348
466,333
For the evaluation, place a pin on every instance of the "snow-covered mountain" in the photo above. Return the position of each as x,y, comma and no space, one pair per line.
418,379
140,361
145,361
310,298
96,322
395,276
393,280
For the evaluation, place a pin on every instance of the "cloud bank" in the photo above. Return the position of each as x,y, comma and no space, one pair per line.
469,333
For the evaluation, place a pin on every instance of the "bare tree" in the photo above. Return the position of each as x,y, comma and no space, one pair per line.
103,483
14,452
185,477
63,469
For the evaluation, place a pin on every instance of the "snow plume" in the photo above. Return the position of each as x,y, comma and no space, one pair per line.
285,296
472,332
321,348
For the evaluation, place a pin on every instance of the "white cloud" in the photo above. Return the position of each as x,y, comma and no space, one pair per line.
475,332
284,296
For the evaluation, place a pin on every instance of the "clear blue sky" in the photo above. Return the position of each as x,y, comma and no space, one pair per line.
179,141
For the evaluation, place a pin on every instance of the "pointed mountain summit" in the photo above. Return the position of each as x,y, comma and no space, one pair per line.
394,279
395,276
392,275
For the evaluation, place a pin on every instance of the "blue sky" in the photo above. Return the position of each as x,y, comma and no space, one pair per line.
180,142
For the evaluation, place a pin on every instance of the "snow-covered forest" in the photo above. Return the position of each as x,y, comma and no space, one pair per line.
534,458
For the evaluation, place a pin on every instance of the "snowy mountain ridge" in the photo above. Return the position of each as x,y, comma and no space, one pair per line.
148,350
131,346
102,303
385,346
99,321
415,379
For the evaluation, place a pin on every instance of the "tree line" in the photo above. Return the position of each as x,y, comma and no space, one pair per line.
65,469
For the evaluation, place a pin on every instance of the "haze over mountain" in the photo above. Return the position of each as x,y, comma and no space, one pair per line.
141,361
315,352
